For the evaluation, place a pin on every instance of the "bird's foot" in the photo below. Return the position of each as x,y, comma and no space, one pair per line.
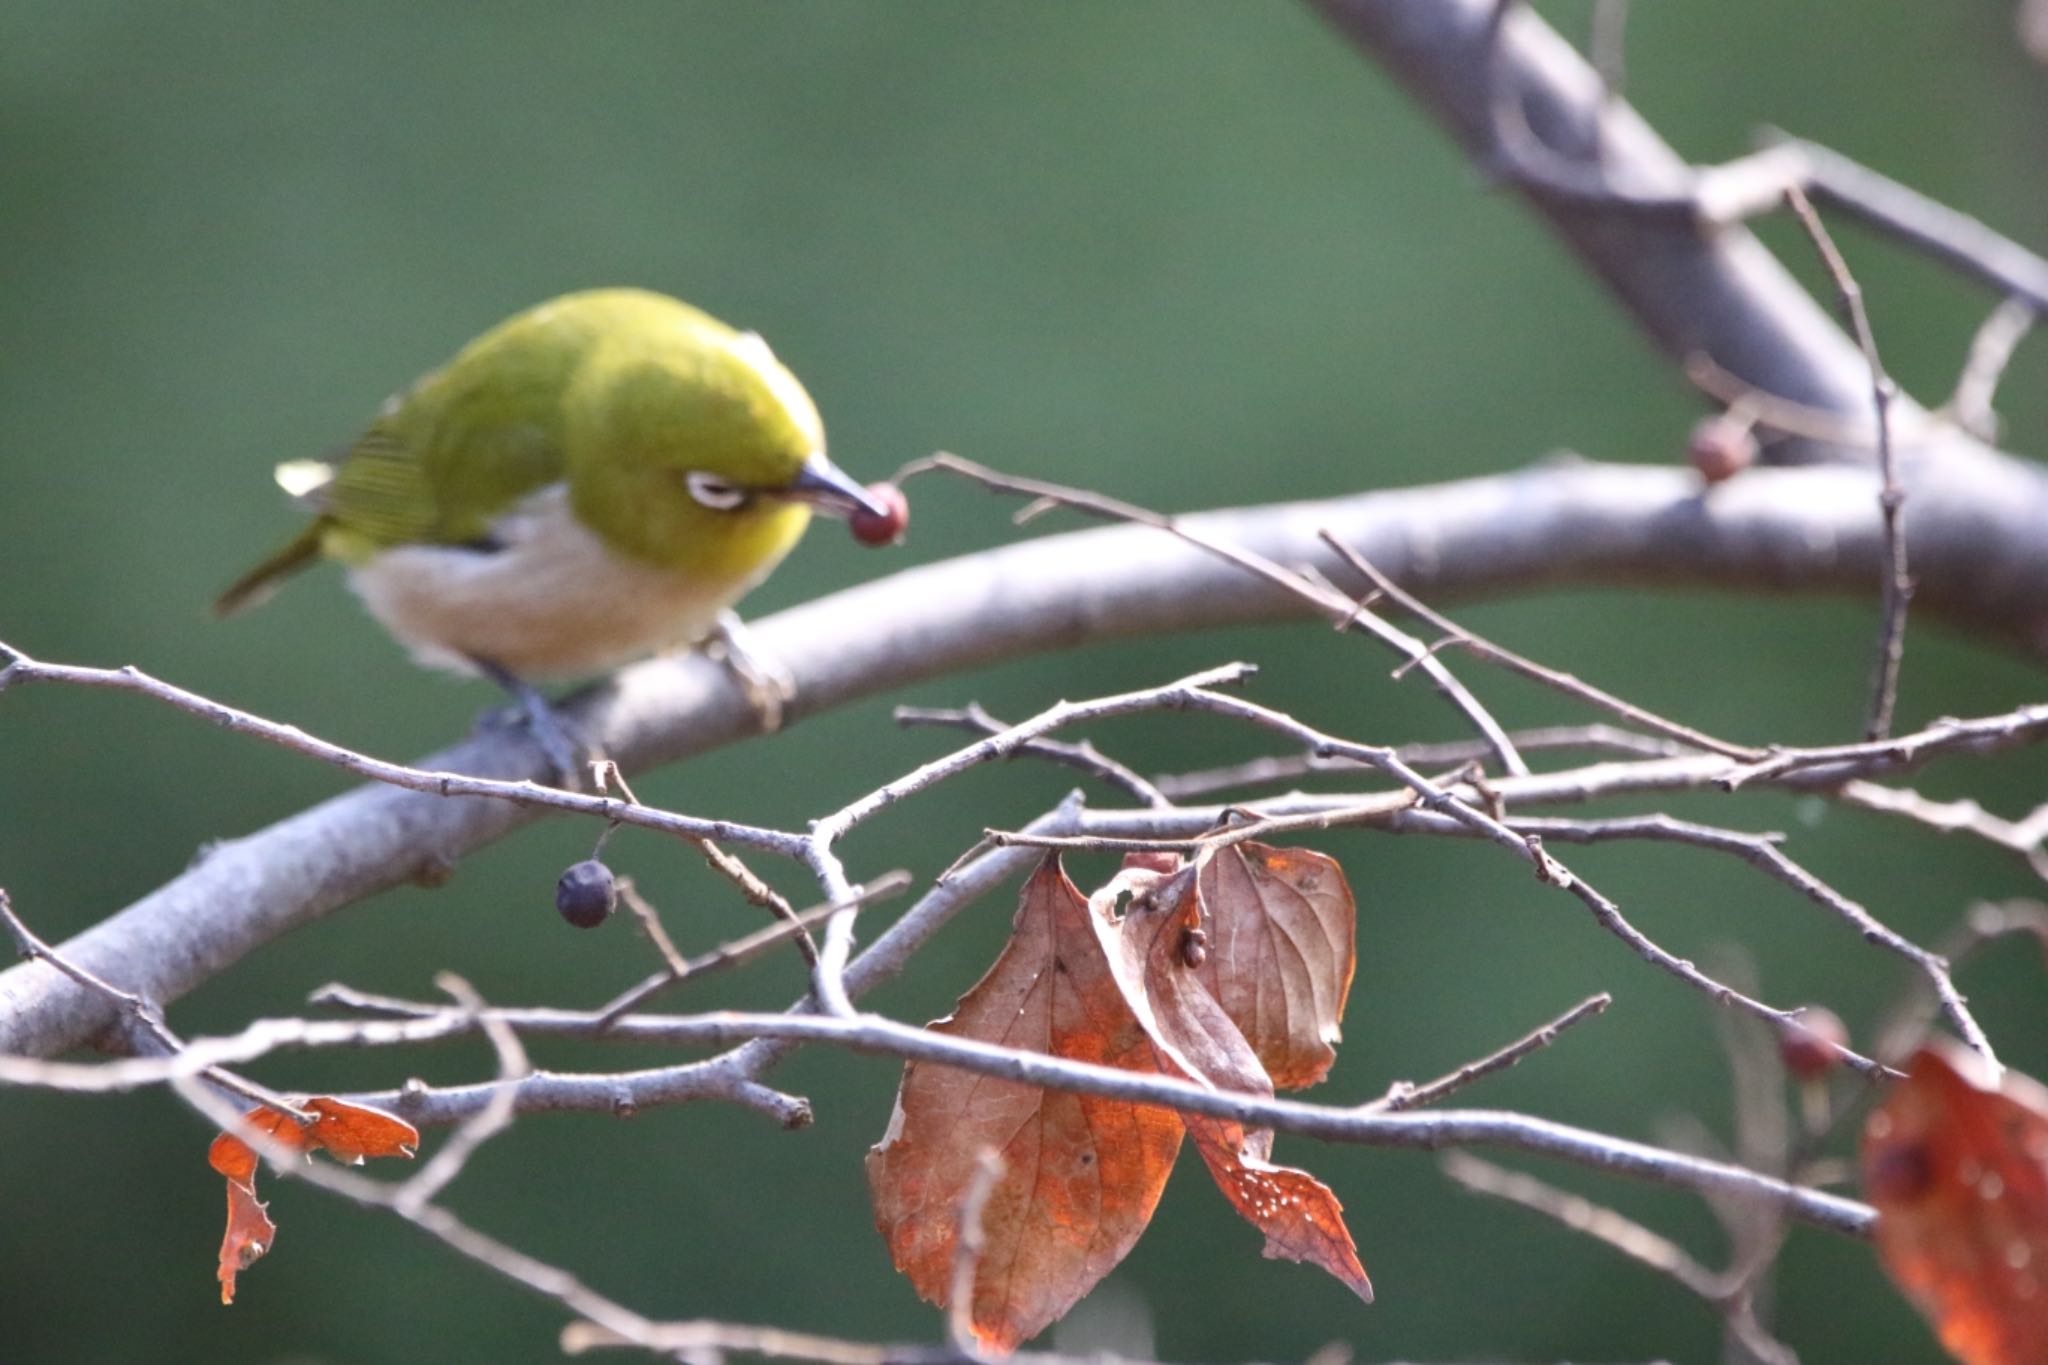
569,755
768,684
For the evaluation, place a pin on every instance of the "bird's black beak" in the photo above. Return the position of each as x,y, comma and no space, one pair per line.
831,489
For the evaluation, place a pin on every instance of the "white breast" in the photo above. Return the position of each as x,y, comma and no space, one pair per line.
553,602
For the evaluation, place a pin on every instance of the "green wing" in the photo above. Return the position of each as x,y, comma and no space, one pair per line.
449,456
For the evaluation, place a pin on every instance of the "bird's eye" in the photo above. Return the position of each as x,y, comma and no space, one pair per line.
720,495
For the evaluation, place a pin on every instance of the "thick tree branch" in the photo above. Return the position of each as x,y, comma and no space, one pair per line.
1980,556
1716,293
1658,233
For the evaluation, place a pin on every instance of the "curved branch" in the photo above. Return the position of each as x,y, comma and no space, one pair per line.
1634,212
1981,559
1718,293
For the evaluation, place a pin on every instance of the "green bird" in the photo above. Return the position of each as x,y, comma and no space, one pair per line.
591,481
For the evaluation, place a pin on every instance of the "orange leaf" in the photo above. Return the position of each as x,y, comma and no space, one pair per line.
349,1132
236,1160
1081,1174
250,1234
1281,931
1958,1170
1195,1039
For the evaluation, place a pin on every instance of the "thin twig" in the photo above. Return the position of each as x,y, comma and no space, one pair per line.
1528,847
1906,1026
1826,765
1732,1294
143,1017
2024,836
1529,668
1958,240
25,669
733,954
970,1239
758,892
1768,409
1221,831
1406,1095
1608,47
1761,852
494,1118
871,1033
1344,611
1891,498
828,987
874,1034
1991,350
1084,756
650,924
1597,1221
1597,737
727,865
713,1341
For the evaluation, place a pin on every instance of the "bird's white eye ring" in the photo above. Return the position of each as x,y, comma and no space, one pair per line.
720,495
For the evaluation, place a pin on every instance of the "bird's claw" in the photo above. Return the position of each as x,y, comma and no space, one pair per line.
769,685
568,753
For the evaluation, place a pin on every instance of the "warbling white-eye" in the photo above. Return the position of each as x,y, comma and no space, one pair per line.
591,481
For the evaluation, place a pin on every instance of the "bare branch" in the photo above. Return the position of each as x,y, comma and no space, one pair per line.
1344,611
732,954
1760,851
1732,1294
1549,871
968,1243
1983,734
873,1034
1991,349
1956,239
1597,1221
1405,1095
1084,756
1720,294
1284,768
419,1191
1515,663
1976,545
1897,582
758,892
149,1034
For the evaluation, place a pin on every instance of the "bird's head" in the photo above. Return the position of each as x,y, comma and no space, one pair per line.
693,447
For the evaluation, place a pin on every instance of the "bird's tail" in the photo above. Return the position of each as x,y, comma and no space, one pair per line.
257,584
305,481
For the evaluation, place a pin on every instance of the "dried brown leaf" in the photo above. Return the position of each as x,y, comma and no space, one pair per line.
1958,1170
1281,929
1081,1174
1196,1039
349,1132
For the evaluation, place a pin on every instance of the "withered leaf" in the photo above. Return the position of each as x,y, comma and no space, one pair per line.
349,1132
250,1234
1281,949
1958,1170
1195,1039
1081,1174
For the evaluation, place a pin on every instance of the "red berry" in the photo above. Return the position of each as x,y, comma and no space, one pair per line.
887,528
587,894
1813,1046
1720,447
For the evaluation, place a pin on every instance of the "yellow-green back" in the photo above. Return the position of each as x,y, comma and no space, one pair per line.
623,393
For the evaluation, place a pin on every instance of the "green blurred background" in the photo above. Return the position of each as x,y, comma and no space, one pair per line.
1190,251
